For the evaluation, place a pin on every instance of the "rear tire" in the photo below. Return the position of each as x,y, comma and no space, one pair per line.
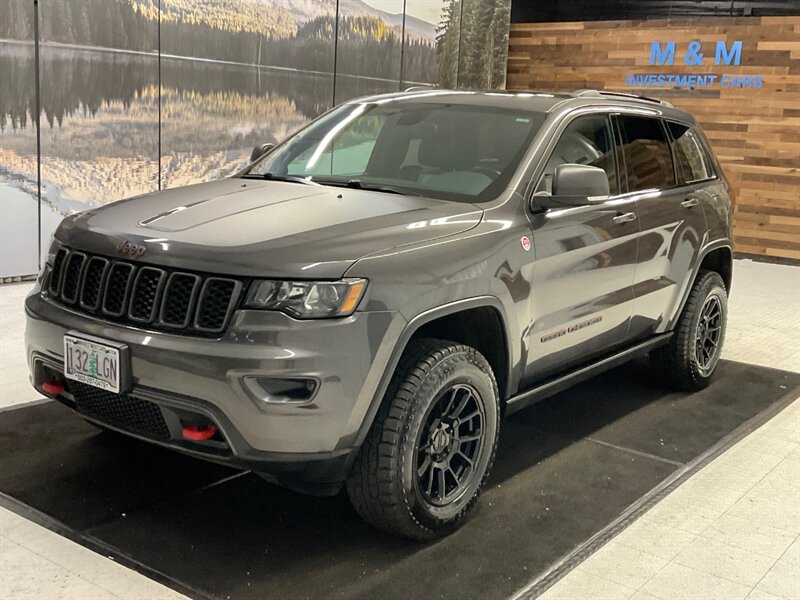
426,458
688,362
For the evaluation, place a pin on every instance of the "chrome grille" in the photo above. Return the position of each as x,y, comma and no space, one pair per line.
135,294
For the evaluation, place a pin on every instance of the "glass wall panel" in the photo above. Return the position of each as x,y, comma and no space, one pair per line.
231,74
19,203
484,44
369,47
235,78
99,100
420,56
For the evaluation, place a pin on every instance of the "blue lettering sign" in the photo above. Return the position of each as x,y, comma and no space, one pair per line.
662,56
725,56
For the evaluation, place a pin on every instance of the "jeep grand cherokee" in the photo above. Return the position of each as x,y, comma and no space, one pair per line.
363,302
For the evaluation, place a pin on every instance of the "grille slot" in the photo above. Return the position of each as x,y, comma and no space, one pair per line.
117,288
54,284
179,297
92,285
72,277
135,294
146,290
120,410
215,303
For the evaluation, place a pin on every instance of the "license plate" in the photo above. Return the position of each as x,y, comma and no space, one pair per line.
92,362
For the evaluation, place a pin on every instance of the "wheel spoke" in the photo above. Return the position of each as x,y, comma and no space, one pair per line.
465,457
470,438
462,404
429,491
469,417
426,464
446,410
442,485
455,477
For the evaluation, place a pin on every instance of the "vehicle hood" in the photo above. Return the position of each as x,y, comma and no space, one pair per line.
264,228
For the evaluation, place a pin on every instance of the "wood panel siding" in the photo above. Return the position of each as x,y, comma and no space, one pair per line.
755,132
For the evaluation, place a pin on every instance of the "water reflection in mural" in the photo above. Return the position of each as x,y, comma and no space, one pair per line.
232,73
19,202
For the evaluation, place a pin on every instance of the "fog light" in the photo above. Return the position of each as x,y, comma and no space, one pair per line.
281,391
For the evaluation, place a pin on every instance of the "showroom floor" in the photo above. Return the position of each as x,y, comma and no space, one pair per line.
729,531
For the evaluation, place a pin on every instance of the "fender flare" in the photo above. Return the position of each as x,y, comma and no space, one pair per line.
706,250
408,332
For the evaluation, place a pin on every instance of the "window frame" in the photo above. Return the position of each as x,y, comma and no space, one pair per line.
565,124
710,166
665,130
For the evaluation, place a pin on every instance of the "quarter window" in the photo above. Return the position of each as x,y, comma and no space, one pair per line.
690,159
586,141
648,160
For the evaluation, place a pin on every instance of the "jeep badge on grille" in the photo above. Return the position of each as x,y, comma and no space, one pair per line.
130,249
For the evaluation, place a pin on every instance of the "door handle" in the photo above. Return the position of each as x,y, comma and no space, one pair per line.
624,218
690,203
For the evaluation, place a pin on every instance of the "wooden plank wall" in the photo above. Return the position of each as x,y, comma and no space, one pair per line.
755,133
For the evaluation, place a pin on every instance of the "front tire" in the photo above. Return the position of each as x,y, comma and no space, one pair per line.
426,458
688,362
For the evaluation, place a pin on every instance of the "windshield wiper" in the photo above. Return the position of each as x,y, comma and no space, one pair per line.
357,184
273,177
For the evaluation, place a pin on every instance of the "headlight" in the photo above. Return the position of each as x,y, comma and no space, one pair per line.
307,299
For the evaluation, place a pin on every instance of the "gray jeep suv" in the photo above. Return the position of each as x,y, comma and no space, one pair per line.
362,304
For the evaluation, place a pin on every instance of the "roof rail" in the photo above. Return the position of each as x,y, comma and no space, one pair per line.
601,93
419,88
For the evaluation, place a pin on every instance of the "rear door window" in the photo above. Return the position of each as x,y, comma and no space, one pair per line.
691,161
646,153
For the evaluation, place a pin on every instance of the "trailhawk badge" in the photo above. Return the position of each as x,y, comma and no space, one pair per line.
526,243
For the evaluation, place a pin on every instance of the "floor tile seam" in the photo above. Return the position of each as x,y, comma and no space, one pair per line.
59,565
775,563
650,554
744,494
701,537
601,577
673,562
635,452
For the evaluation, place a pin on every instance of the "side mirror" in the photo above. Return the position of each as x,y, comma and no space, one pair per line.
580,181
260,151
574,185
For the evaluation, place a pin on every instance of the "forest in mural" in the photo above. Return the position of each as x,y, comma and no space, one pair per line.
227,74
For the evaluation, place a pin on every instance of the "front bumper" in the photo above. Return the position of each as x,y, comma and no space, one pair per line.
311,440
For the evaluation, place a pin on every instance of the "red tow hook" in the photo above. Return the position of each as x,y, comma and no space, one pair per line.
197,433
54,387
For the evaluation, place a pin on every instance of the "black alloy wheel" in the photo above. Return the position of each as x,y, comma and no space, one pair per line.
449,445
709,334
690,359
426,458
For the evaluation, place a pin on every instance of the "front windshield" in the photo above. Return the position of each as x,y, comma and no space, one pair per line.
452,152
